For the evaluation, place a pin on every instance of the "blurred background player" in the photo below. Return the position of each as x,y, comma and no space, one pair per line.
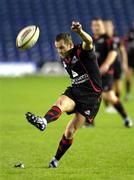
107,51
83,97
129,39
119,64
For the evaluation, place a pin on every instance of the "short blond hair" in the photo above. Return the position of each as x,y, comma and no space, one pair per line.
66,37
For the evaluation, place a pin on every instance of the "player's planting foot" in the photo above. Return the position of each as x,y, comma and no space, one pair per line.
128,122
37,121
53,163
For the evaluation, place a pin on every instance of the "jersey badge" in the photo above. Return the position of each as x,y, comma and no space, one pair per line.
74,60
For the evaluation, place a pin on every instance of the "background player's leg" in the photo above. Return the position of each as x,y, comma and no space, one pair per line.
117,84
128,83
117,87
113,99
67,138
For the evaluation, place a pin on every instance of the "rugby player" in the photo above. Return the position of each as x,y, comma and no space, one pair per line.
120,63
106,51
83,97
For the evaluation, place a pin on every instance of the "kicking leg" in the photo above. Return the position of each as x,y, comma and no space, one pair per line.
63,104
67,139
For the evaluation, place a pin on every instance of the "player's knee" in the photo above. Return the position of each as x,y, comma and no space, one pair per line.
65,104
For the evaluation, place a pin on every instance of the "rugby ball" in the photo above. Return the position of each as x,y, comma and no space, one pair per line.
27,37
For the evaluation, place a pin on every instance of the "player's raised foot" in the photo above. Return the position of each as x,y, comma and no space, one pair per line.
128,122
37,121
53,163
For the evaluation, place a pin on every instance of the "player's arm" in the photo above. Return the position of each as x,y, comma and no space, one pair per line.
113,52
108,61
87,40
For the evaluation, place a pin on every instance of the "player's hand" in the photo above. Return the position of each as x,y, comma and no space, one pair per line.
76,26
104,68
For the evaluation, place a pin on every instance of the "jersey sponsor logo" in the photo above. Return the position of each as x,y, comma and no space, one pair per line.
74,74
74,60
80,79
87,112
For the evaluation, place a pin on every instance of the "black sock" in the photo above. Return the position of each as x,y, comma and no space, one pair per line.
119,107
53,114
128,84
63,147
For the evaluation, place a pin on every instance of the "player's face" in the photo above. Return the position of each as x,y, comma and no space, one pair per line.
63,48
109,27
97,27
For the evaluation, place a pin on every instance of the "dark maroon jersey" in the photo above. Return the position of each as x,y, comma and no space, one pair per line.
83,69
103,45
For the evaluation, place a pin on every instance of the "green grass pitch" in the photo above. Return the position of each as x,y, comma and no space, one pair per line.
105,152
